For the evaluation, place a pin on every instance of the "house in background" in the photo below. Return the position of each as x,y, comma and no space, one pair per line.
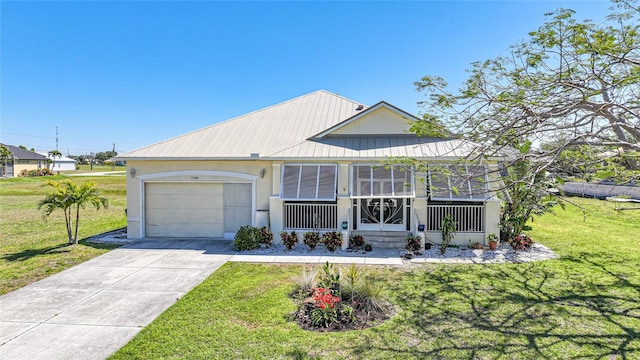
61,163
22,160
313,162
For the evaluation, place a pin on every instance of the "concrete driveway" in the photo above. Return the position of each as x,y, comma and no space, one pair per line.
95,308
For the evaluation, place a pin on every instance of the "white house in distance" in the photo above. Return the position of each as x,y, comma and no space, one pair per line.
61,163
313,162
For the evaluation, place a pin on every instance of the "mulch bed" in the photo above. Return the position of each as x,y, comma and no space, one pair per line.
361,319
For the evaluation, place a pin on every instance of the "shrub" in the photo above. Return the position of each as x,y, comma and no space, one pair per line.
289,240
369,295
311,239
368,247
332,240
521,242
266,236
448,231
330,279
413,243
34,173
307,280
356,241
351,277
247,238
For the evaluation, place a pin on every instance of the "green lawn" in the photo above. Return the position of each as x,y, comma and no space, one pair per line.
33,249
586,304
96,168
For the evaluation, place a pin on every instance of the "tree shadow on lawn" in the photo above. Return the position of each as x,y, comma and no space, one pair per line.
553,309
27,254
31,253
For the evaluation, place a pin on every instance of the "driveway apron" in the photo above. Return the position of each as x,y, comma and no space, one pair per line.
93,309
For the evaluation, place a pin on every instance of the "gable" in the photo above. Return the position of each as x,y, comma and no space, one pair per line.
382,121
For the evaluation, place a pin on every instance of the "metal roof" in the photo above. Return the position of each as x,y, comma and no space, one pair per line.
298,129
263,132
377,147
58,159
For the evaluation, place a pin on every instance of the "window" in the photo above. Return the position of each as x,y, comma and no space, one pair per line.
377,181
309,182
459,182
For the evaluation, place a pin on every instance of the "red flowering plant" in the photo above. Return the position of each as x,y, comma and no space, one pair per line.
325,312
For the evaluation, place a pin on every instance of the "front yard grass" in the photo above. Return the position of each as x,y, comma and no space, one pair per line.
33,249
583,305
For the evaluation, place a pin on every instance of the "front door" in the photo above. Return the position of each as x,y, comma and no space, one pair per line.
385,214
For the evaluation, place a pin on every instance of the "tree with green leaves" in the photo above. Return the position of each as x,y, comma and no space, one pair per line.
571,84
70,198
53,154
5,157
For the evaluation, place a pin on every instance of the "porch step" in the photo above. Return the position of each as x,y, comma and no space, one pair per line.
384,239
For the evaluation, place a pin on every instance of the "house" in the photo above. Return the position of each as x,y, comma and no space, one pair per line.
60,163
22,160
313,162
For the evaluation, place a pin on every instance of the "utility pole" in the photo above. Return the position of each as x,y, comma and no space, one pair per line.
113,158
57,138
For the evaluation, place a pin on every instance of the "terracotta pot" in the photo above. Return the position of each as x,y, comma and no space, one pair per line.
492,245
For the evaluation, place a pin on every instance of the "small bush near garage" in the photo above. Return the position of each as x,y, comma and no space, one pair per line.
266,236
247,238
34,173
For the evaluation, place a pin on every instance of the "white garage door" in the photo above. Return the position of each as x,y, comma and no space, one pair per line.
237,207
184,210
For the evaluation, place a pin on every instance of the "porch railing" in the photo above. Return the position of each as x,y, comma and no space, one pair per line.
469,218
310,216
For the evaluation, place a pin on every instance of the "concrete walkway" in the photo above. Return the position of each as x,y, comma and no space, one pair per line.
93,309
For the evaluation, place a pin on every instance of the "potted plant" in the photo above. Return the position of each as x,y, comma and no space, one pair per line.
492,239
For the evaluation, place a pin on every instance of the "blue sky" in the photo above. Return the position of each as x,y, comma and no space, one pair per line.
137,72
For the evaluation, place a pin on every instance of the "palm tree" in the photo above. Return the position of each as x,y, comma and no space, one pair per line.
5,157
69,196
53,154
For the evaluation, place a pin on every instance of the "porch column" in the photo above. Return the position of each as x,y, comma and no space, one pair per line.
491,218
276,205
344,203
276,214
343,180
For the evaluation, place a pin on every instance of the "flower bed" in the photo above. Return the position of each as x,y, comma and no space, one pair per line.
323,306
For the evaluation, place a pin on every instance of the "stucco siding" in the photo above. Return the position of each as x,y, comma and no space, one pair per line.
28,165
191,172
